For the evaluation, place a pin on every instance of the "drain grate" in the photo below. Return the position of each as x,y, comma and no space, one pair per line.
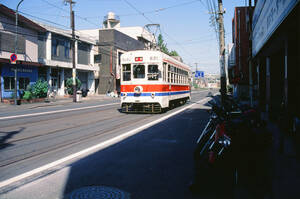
99,192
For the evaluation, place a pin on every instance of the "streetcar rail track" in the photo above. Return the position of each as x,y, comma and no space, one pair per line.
56,118
68,143
12,141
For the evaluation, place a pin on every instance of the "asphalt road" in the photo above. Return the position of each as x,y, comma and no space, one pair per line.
51,152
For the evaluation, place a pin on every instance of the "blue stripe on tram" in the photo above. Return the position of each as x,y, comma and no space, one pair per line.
156,94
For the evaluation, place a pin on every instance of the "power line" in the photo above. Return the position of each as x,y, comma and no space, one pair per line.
158,10
46,20
160,28
57,24
82,18
188,42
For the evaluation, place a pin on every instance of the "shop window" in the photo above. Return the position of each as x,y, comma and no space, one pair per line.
55,45
9,83
23,83
67,45
97,59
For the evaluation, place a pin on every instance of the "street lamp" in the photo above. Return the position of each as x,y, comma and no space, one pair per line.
16,44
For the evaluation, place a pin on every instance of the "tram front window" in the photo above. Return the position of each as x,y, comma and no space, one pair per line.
153,72
126,72
139,71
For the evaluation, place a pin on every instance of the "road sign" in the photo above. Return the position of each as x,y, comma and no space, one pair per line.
13,58
199,74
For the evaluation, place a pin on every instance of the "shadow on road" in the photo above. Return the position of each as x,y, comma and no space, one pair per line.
5,136
155,163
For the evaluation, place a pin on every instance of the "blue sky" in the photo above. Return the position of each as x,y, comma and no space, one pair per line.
184,23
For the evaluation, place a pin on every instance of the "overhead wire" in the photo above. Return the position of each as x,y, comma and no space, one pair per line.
76,15
160,27
155,10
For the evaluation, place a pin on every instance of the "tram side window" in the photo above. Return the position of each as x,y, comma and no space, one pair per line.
153,72
169,73
138,71
126,72
172,75
164,71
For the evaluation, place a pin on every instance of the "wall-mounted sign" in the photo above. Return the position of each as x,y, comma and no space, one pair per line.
22,70
13,58
268,15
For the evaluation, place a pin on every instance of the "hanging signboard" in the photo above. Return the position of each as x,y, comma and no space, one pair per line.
268,15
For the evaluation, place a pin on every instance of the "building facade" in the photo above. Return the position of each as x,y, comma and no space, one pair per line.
276,53
55,53
112,41
27,64
238,67
44,52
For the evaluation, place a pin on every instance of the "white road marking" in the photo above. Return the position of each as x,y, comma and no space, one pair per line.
199,91
95,147
51,112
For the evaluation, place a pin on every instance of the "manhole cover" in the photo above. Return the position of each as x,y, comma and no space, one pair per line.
99,192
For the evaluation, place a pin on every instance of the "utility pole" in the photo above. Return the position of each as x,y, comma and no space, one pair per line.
250,54
71,2
16,51
196,64
222,49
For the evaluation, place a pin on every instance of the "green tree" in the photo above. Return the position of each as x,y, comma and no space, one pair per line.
163,47
173,53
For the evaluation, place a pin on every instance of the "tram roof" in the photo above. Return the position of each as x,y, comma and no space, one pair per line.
163,56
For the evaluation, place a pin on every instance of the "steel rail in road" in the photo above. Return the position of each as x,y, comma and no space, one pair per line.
71,142
53,112
99,146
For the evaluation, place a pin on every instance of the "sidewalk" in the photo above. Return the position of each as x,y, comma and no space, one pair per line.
58,101
285,169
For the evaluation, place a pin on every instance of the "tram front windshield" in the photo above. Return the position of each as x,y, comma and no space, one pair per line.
138,71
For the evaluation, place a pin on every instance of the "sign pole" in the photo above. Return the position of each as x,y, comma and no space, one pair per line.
16,44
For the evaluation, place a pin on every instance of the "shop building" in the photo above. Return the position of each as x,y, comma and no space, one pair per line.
27,64
44,52
276,52
55,53
112,41
238,66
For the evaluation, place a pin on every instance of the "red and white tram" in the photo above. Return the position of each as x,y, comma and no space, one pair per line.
152,81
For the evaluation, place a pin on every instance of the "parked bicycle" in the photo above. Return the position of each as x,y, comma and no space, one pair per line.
51,95
228,148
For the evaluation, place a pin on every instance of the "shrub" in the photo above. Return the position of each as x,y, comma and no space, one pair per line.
27,95
69,85
39,89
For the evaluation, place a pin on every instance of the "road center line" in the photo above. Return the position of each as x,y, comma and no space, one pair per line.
99,146
51,112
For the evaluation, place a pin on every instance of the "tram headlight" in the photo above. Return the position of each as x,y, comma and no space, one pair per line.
138,89
152,95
